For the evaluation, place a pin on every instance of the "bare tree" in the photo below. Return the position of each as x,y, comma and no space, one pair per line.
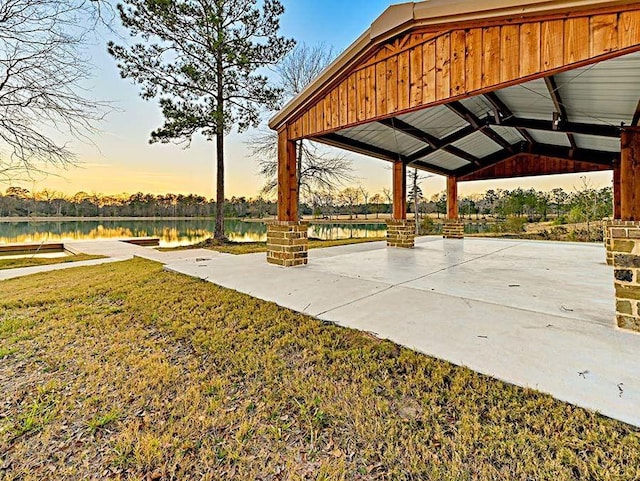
350,198
585,200
365,200
317,169
301,66
388,197
324,201
42,67
377,201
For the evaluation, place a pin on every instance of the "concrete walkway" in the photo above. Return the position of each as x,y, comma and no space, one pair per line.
114,250
124,250
535,314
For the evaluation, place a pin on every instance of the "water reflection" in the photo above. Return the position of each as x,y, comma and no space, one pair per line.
172,233
479,227
347,231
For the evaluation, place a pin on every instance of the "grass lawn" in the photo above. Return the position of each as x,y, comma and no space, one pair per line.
124,371
253,247
43,261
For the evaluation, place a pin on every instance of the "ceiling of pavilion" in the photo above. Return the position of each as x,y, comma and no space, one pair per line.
574,115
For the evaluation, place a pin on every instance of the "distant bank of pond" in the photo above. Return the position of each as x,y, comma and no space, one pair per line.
172,233
180,232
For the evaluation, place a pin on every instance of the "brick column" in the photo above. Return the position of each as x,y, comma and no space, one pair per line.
401,233
607,225
287,243
453,229
624,235
625,248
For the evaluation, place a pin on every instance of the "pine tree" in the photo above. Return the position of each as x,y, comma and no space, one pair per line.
202,59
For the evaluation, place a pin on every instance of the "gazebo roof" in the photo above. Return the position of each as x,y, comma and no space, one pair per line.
457,88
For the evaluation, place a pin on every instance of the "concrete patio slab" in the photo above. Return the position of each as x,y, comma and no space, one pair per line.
541,277
535,314
397,266
302,290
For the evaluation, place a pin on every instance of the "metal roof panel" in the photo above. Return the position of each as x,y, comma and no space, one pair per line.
551,138
530,100
591,142
603,93
510,134
479,106
384,137
478,144
444,160
438,121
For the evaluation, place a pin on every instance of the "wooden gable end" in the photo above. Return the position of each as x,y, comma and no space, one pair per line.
421,69
531,165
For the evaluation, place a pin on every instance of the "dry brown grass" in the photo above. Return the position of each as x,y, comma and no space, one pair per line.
124,371
43,261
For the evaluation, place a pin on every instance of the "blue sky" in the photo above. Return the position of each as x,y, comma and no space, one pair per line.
123,161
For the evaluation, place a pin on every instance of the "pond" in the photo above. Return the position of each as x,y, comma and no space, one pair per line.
479,227
172,233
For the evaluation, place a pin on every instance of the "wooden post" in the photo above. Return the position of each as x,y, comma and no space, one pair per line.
399,191
616,190
400,231
287,178
452,198
630,174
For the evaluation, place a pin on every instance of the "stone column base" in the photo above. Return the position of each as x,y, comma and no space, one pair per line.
607,225
401,233
625,248
287,243
453,229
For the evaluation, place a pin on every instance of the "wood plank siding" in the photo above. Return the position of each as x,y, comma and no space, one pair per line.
421,69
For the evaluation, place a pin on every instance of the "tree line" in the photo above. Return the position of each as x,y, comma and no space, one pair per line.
585,204
582,205
20,202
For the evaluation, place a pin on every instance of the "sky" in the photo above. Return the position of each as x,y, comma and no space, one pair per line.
121,160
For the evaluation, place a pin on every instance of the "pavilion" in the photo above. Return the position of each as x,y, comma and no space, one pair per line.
481,90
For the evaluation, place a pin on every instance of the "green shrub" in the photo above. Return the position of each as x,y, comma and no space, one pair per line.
576,215
514,224
427,226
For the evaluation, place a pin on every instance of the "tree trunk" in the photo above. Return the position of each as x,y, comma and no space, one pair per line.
219,229
218,233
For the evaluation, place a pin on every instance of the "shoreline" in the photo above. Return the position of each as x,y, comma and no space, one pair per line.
125,219
93,219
